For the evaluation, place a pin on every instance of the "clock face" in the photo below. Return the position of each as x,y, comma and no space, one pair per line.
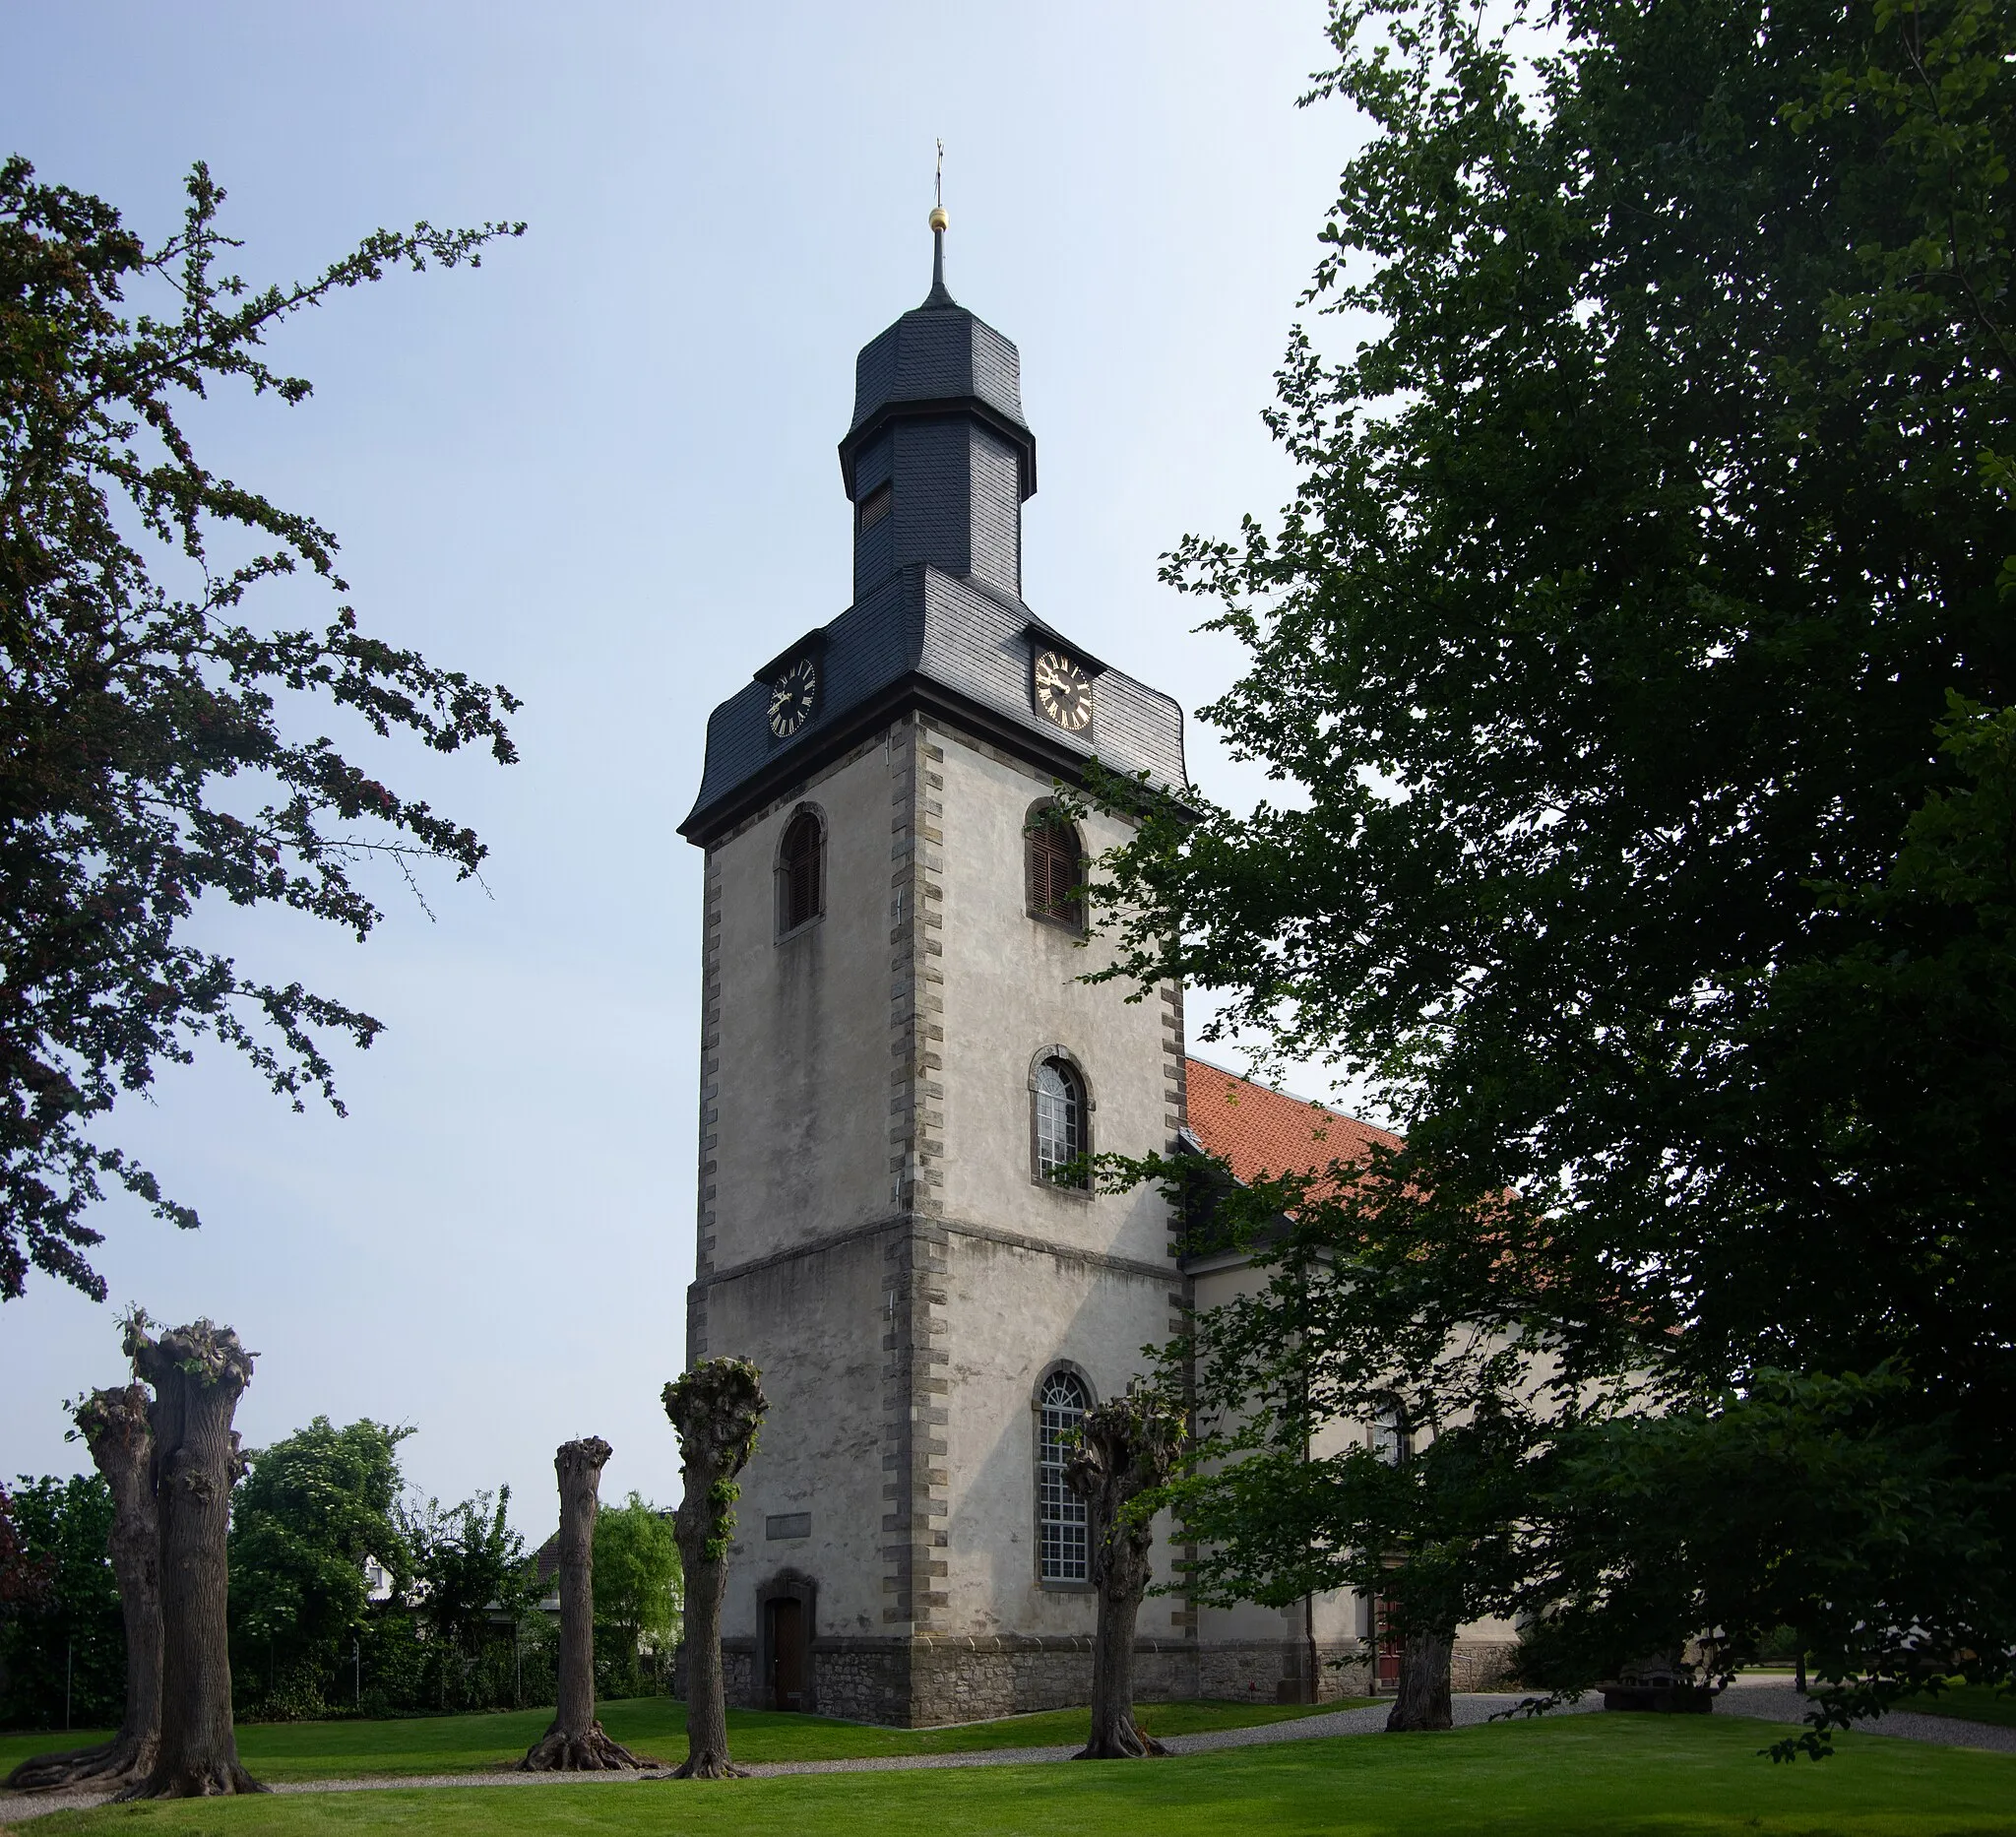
791,696
1062,692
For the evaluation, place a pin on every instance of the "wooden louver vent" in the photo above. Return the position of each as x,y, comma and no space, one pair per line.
799,892
1057,870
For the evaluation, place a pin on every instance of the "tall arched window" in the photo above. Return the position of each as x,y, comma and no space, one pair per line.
800,881
1056,868
1060,1134
1063,1544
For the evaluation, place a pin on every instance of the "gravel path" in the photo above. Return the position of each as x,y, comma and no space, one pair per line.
1764,1698
1780,1702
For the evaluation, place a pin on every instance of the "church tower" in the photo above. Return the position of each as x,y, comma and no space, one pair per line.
900,1071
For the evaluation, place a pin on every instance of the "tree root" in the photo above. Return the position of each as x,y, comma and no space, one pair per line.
223,1780
709,1766
1126,1742
110,1763
589,1752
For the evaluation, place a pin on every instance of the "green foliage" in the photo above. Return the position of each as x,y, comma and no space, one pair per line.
1637,650
313,1509
141,720
716,1410
638,1597
1749,1511
64,1608
473,1592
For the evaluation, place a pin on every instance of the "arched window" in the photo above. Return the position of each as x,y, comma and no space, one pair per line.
1060,1134
1056,868
800,881
1390,1439
1063,1545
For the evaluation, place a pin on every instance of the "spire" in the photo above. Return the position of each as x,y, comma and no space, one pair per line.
940,222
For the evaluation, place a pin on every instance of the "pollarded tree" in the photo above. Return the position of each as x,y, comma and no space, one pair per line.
147,754
717,1409
114,1426
1127,1448
576,1742
198,1373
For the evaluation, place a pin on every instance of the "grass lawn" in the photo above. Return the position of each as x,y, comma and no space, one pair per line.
1674,1776
1970,1703
649,1724
1967,1702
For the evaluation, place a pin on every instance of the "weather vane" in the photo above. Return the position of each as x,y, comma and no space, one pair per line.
940,222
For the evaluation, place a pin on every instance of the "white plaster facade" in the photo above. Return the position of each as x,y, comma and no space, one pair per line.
874,1236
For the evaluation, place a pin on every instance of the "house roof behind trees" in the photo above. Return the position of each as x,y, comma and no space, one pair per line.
1261,1133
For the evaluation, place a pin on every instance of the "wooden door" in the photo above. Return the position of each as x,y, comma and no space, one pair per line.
1386,1676
788,1657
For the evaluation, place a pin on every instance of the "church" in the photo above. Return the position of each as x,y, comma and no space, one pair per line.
901,1069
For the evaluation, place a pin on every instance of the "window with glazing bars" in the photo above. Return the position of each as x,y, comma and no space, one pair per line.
1059,1124
798,889
1057,870
1063,1538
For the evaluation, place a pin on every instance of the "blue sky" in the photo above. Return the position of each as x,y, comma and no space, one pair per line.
601,470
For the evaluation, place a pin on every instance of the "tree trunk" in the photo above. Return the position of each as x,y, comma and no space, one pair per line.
198,1373
1423,1699
576,1744
114,1426
717,1409
1126,1447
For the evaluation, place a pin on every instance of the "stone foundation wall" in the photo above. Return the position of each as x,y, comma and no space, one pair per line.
1482,1664
929,1680
863,1680
932,1679
1277,1670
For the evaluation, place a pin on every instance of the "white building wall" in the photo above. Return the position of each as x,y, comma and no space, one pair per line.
801,1085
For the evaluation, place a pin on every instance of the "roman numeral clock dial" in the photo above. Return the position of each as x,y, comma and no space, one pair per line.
791,696
1063,693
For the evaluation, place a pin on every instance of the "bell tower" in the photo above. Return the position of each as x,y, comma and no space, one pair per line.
900,1073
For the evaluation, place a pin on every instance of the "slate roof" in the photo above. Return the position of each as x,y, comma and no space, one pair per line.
933,353
1268,1132
925,634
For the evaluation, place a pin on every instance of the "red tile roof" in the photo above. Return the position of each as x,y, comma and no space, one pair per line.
1262,1131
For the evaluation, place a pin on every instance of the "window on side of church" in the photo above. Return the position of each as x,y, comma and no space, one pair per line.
874,507
1390,1439
1057,870
1062,1529
1059,1124
800,881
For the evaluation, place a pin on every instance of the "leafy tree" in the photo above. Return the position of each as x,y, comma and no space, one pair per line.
65,1615
152,741
314,1507
636,1593
467,1564
1359,1429
1636,651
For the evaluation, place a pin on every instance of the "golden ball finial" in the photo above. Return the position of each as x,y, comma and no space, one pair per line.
939,220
